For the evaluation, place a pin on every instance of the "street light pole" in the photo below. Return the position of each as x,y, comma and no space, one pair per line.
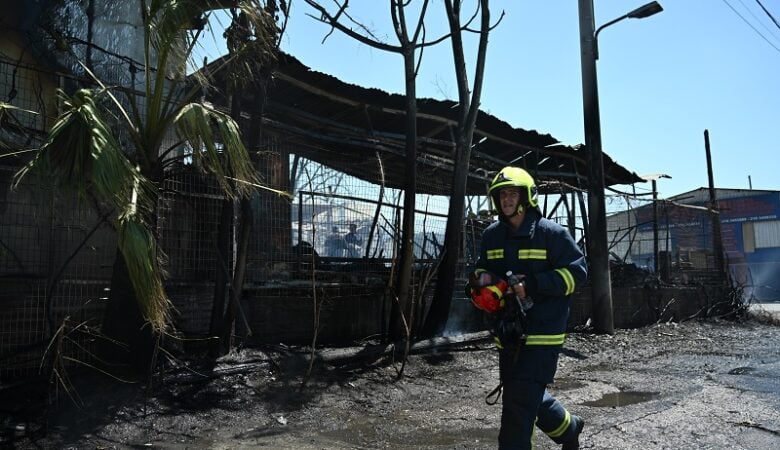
598,252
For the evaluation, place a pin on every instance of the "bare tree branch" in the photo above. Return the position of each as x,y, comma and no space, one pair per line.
480,66
490,28
420,57
333,21
371,39
420,22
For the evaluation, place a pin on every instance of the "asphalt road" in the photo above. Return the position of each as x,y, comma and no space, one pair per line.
695,385
773,309
703,386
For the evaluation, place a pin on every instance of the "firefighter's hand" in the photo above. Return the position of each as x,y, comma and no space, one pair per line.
518,288
488,298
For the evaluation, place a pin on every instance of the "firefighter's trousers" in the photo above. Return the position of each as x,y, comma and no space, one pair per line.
525,374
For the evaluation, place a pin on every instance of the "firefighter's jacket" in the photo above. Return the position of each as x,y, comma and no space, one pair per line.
546,253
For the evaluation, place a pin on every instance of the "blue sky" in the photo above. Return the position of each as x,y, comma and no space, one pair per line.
663,80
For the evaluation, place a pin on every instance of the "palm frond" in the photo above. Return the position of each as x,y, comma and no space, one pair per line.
166,23
167,48
81,153
196,124
139,249
6,108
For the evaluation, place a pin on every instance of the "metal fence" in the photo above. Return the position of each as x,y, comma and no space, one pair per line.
674,242
55,268
57,252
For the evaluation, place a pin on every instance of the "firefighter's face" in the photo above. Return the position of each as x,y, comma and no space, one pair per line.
509,197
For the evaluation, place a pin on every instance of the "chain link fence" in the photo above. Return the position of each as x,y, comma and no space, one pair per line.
673,242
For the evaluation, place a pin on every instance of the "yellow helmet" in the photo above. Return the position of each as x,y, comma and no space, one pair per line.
515,177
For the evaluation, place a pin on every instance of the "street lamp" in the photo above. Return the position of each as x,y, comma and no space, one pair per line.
598,253
639,13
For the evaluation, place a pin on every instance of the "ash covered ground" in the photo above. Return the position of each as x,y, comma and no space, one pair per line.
711,384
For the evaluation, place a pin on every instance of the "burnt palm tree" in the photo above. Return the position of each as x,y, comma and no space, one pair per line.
82,152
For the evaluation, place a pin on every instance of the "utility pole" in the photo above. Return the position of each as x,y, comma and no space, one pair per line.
598,255
655,227
598,251
717,235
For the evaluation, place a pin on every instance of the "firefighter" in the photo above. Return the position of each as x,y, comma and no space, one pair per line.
527,269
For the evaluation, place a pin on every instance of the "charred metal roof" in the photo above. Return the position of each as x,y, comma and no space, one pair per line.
349,127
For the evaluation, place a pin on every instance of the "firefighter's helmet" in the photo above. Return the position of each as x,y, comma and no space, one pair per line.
514,177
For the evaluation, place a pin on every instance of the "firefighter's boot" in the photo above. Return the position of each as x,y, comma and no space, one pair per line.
574,443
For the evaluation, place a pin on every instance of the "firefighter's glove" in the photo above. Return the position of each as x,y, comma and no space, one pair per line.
489,298
509,333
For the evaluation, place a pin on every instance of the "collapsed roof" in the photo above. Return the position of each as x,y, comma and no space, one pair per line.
345,127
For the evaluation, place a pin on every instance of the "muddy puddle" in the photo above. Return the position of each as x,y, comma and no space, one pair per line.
617,399
567,384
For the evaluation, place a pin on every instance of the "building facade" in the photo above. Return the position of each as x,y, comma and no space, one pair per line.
682,233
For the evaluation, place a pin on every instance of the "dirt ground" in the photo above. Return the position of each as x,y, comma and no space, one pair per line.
707,385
